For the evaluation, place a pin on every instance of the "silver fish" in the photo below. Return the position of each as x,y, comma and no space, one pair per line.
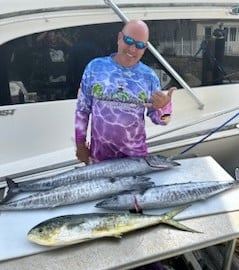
83,191
129,166
163,196
72,229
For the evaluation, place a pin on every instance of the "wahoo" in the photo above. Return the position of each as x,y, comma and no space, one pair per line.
166,195
129,166
83,191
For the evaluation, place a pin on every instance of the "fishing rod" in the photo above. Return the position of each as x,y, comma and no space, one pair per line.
205,137
194,122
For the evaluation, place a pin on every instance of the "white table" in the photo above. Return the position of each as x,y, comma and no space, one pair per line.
216,218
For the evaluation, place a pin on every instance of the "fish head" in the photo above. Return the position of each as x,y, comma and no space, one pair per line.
118,201
108,203
44,233
158,161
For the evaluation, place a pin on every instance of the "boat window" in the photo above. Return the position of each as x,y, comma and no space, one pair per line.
48,66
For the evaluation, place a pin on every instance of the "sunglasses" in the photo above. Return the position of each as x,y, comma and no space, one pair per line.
130,41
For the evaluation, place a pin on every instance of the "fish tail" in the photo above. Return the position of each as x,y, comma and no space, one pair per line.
168,219
11,190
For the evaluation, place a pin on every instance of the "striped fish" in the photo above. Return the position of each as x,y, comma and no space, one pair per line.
83,191
163,196
129,166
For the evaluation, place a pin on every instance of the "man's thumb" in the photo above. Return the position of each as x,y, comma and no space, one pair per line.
170,91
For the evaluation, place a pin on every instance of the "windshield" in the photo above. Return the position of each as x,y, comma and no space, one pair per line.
48,66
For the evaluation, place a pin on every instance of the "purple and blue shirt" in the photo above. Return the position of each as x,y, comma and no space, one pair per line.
114,96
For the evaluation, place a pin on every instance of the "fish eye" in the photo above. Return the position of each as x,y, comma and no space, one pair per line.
40,230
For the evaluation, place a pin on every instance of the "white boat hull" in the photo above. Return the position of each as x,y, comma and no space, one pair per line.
41,134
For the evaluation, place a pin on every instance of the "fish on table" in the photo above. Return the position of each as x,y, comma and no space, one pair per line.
83,191
72,229
128,166
163,196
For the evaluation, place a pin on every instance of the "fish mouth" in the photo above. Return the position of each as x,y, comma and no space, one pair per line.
174,163
101,204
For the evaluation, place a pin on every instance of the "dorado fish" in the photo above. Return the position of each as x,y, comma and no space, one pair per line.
83,191
129,166
163,196
72,229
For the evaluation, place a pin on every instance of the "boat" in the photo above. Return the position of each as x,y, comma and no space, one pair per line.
193,46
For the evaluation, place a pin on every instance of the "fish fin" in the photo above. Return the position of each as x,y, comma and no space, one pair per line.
117,235
180,226
171,214
237,174
134,211
113,179
142,178
11,184
142,187
168,219
11,189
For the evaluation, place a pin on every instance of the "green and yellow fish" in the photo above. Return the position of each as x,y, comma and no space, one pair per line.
72,229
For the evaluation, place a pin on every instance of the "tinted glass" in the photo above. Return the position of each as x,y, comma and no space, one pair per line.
48,66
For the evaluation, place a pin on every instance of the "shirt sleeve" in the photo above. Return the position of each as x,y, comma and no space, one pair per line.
161,116
83,108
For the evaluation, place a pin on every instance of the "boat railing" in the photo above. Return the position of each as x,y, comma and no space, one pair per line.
190,47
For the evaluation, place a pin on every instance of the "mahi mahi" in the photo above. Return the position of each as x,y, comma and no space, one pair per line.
72,229
83,191
163,196
129,166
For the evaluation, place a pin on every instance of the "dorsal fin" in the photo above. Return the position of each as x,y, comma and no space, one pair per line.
11,184
12,189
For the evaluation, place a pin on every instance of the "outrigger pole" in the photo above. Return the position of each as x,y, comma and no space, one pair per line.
205,137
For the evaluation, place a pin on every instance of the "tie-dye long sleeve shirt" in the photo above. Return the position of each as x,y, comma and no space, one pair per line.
114,96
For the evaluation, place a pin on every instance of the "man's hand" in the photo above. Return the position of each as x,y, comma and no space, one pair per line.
83,153
160,99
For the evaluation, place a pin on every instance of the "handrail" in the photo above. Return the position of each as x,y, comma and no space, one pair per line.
194,122
158,56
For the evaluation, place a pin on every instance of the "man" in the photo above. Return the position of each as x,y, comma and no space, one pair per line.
115,90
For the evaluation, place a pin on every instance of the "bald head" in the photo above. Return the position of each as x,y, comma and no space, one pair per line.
129,54
137,28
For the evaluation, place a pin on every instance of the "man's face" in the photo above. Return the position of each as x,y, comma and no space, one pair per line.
129,54
52,38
